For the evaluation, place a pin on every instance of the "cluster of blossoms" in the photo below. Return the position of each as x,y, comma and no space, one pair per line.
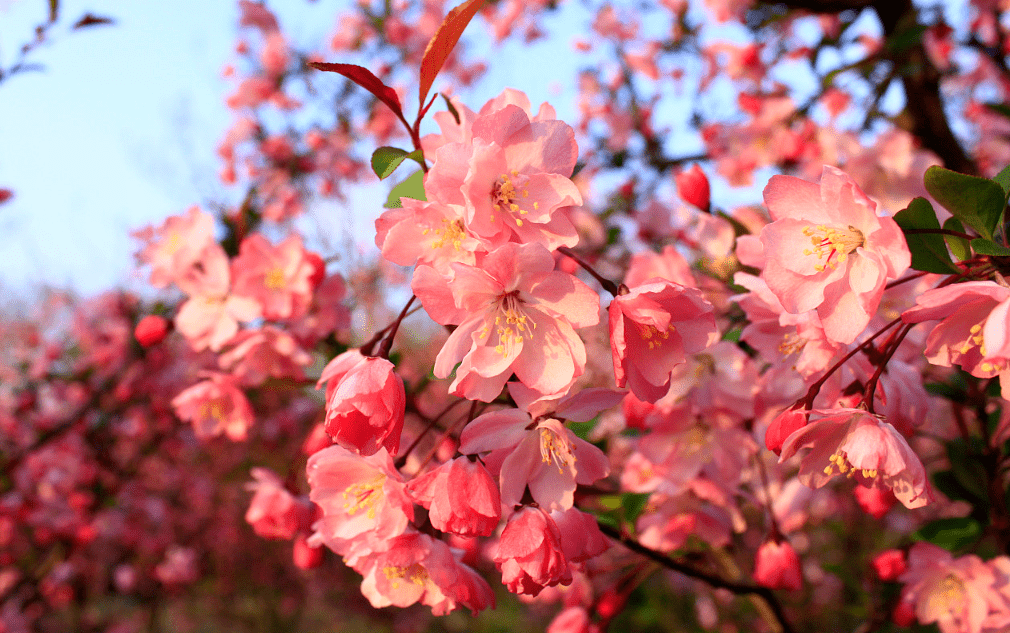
758,376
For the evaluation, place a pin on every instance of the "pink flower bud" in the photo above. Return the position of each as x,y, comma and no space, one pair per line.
151,330
889,564
366,408
874,501
782,427
304,555
692,187
777,566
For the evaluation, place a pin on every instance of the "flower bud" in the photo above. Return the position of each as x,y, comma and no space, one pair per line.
151,330
693,188
777,566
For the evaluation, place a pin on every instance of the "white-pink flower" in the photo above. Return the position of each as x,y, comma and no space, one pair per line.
515,314
827,250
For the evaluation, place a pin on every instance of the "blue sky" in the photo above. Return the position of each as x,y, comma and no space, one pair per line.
119,129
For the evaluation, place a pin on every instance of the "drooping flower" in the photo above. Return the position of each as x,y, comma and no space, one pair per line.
859,444
529,554
652,328
461,498
274,512
828,251
365,402
974,318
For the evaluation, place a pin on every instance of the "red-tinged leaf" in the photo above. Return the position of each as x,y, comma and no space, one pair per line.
90,19
364,78
444,41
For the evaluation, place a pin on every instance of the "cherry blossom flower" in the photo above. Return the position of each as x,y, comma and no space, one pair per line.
176,245
529,554
974,318
365,406
856,443
543,454
513,178
461,498
274,513
279,278
652,328
362,499
827,250
954,593
214,406
417,568
515,314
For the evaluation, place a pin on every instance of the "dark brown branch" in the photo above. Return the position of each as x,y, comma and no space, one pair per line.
718,582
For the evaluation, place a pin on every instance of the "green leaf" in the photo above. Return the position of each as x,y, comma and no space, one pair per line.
977,202
986,247
958,245
1003,179
385,160
634,505
951,534
929,251
999,108
412,187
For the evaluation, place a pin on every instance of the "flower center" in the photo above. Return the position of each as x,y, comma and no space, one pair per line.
364,495
840,461
652,335
505,194
555,448
792,343
451,232
832,245
947,596
510,323
274,279
415,574
215,409
974,339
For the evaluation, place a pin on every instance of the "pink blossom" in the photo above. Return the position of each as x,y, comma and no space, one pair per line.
515,314
669,265
777,566
279,278
263,353
461,498
215,406
854,251
692,187
543,454
856,443
529,554
365,403
304,555
652,328
954,593
417,568
274,513
362,499
513,178
974,318
427,233
176,245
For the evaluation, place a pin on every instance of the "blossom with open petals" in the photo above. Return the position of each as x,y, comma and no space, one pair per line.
827,250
